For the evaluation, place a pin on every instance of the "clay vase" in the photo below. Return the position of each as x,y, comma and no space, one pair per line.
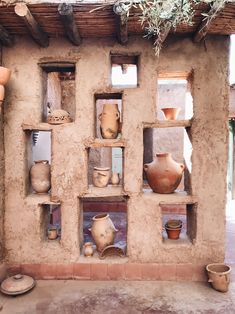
101,176
2,93
173,233
88,249
170,113
5,74
103,231
115,178
109,121
219,276
40,176
164,174
52,233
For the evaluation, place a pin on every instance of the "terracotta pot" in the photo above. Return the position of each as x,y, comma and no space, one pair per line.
174,223
219,276
164,174
115,178
52,233
2,92
101,176
5,74
110,120
40,176
102,231
88,249
173,233
170,113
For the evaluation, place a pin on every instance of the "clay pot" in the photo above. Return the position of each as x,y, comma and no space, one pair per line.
219,276
5,74
103,231
101,176
173,233
52,233
170,113
40,176
115,178
58,116
110,120
174,223
2,93
164,174
88,249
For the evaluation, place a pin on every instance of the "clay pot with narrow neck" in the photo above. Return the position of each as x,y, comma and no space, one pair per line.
101,176
115,178
164,174
88,249
109,121
103,231
170,113
40,176
5,74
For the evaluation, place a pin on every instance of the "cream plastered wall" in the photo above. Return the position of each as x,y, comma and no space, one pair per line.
23,213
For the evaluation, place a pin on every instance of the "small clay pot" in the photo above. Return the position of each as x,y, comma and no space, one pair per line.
170,113
174,223
88,249
173,233
52,233
101,177
219,276
2,93
115,178
5,74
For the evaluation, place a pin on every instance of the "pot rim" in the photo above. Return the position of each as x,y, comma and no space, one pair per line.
88,243
41,161
175,229
170,108
163,154
216,272
102,169
99,217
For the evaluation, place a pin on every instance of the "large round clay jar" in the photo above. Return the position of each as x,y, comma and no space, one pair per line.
5,74
102,231
164,174
109,121
40,175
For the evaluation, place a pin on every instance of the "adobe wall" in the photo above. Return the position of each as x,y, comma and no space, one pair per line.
69,160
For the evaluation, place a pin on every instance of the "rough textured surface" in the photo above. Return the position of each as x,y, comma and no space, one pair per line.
59,297
69,155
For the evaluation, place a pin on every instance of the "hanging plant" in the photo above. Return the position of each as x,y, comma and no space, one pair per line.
157,17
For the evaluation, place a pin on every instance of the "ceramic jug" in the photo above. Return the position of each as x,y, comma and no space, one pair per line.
109,121
40,176
164,174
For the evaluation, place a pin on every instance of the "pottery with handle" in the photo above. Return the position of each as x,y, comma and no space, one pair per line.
40,176
109,121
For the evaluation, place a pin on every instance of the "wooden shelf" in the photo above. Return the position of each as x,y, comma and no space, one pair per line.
108,191
178,197
42,199
42,126
97,143
168,124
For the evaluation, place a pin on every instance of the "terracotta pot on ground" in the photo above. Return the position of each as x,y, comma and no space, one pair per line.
109,121
40,176
5,74
170,113
101,177
219,276
164,174
103,231
2,93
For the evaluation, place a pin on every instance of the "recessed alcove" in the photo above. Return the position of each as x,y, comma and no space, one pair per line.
50,222
58,88
115,207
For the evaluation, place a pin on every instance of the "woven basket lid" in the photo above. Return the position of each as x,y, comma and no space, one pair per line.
17,284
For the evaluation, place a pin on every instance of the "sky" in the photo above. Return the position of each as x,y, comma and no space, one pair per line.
232,60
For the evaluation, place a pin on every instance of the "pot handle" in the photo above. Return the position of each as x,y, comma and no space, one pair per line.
210,280
117,115
146,166
101,174
89,229
99,116
182,166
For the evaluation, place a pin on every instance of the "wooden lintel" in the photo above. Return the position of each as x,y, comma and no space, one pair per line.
66,15
34,28
122,32
205,25
5,38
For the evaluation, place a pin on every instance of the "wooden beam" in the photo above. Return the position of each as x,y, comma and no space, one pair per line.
34,28
5,38
66,15
122,33
206,23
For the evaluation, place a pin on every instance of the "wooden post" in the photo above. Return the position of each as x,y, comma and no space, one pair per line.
5,38
66,14
122,33
34,28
